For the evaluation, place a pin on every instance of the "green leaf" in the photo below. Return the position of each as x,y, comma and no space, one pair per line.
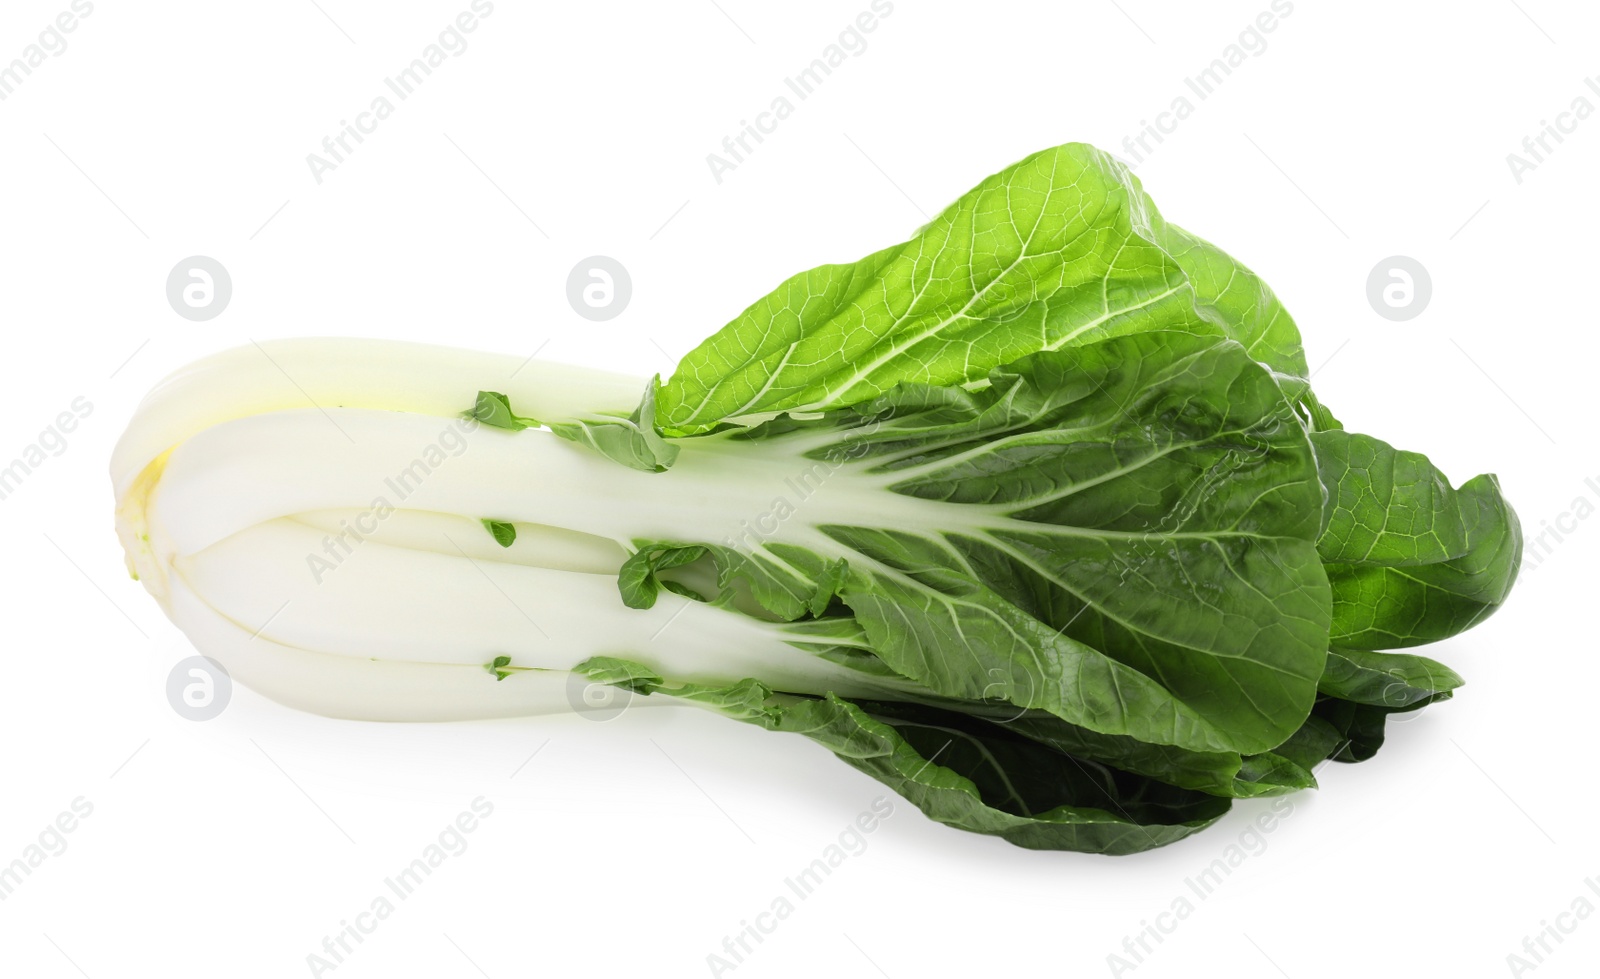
1290,766
1121,536
1410,560
1385,506
832,580
958,770
639,578
504,534
1318,417
626,674
744,700
1241,306
1271,774
494,409
682,590
1160,503
1361,726
632,441
1060,249
1221,773
1285,769
977,777
1384,679
1313,743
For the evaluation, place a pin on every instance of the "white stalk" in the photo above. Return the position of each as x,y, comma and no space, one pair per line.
331,555
275,375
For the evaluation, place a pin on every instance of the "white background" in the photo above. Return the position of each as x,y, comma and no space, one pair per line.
232,847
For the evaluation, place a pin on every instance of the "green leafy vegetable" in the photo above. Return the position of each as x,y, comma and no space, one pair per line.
1033,517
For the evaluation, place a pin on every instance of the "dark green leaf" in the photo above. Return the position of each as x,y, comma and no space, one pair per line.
1361,726
961,771
505,534
1384,679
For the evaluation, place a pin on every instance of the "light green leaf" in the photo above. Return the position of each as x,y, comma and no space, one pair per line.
1410,560
494,409
632,441
639,578
1060,249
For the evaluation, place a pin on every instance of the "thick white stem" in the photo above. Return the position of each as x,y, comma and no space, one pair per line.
370,689
377,601
263,467
331,556
275,375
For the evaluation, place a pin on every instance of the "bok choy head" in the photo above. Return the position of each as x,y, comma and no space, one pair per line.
1033,517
